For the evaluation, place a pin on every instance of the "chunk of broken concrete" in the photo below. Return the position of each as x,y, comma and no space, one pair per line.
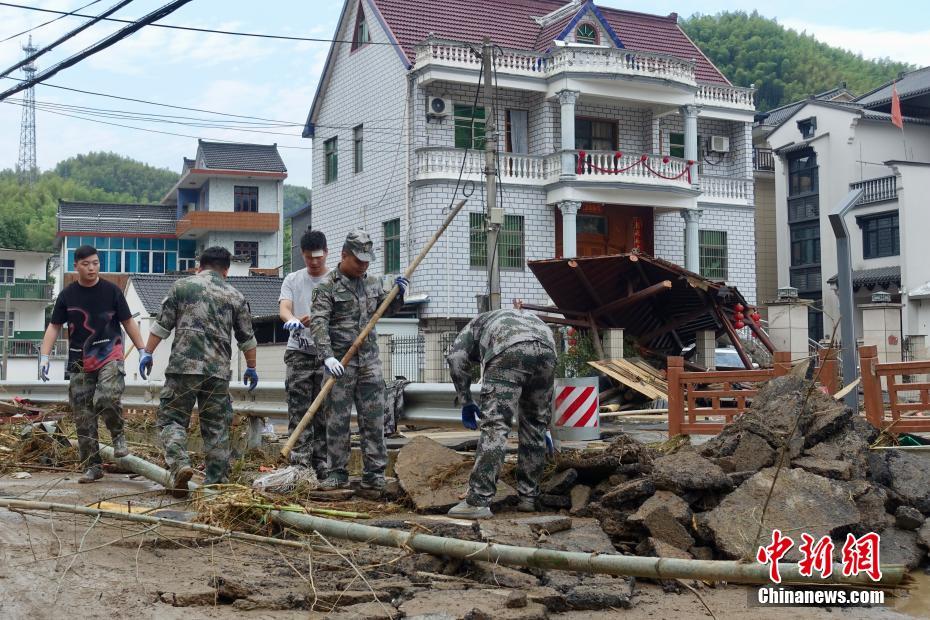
580,497
838,470
555,501
664,499
750,453
422,459
923,534
366,611
654,547
906,474
502,576
629,491
908,518
601,596
547,524
559,483
686,470
900,547
800,502
585,536
665,527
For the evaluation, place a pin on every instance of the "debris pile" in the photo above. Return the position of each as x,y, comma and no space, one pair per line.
722,500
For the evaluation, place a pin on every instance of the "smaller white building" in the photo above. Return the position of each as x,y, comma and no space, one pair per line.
24,278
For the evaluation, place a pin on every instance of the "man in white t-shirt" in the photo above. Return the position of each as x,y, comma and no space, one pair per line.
304,376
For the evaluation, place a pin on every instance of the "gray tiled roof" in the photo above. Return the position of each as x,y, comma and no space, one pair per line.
93,217
238,156
776,116
910,84
260,291
879,276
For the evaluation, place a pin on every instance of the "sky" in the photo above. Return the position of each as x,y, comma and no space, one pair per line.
276,80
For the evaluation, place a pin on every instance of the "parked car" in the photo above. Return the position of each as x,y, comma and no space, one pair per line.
725,358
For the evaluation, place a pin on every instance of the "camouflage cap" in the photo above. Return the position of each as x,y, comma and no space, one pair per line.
359,243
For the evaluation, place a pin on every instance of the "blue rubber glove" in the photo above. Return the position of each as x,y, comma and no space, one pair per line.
550,447
250,378
469,413
403,283
44,364
293,325
145,364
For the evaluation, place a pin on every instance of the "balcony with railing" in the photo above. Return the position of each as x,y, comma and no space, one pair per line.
606,167
30,348
584,60
726,190
877,190
29,290
763,160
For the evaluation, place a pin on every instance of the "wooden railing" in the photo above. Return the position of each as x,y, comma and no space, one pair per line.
908,403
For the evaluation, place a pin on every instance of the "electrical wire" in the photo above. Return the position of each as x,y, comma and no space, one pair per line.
51,21
103,44
68,35
193,29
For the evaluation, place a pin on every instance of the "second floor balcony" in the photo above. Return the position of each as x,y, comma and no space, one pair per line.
27,290
877,190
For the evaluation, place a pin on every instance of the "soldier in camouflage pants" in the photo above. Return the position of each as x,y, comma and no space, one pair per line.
96,393
517,353
302,382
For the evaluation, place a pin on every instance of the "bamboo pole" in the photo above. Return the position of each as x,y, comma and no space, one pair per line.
625,565
632,566
328,384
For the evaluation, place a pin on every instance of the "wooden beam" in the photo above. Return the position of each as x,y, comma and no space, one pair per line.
734,338
536,308
557,320
761,335
595,337
678,322
652,303
638,296
592,293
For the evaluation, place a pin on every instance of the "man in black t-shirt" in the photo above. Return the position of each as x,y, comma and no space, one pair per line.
94,309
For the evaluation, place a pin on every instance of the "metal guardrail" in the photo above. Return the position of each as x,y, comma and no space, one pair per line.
426,404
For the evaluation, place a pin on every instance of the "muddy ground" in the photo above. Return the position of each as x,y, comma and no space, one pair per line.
126,570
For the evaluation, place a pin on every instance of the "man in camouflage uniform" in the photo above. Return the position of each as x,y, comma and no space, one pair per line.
203,310
342,305
517,354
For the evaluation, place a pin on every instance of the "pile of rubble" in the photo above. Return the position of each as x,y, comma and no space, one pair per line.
706,502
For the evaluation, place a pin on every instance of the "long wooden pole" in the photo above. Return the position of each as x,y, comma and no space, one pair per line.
328,384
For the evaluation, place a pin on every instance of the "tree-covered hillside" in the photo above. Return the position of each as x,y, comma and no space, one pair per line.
783,64
27,213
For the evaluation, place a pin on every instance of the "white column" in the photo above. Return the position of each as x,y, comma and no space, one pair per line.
705,346
881,326
690,115
569,209
612,343
788,319
567,100
692,251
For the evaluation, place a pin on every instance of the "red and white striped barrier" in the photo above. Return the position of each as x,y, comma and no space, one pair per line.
575,410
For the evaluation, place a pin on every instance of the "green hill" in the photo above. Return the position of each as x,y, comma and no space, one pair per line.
783,64
27,213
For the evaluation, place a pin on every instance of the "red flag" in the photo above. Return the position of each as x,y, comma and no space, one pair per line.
896,118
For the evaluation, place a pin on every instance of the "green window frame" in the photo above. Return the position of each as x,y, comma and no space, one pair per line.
510,242
713,254
331,165
586,33
469,125
676,144
477,240
392,246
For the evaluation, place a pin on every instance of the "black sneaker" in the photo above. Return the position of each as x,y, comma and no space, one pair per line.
334,482
92,474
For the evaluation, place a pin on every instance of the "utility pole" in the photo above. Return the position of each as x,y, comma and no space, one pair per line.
495,216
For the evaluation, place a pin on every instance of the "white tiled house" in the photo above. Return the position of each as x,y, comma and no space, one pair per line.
393,113
24,275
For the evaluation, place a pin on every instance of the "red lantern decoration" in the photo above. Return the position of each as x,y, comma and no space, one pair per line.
755,316
618,154
665,159
571,331
739,325
643,157
739,307
690,162
738,316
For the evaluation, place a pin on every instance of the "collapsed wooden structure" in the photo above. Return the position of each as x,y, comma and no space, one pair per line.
660,304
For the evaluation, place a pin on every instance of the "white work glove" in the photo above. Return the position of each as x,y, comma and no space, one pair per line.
333,367
403,284
294,325
44,365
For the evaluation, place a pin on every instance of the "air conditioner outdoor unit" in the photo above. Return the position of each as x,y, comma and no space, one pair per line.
719,144
439,107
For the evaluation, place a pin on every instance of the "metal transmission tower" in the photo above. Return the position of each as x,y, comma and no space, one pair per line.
27,137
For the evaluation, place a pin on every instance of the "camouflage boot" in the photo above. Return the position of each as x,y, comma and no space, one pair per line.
93,474
120,446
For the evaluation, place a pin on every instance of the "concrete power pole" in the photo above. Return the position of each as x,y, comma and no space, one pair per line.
495,217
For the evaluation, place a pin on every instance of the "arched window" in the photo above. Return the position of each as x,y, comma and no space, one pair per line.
586,33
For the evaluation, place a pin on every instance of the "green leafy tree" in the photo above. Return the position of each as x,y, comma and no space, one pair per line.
784,65
116,174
